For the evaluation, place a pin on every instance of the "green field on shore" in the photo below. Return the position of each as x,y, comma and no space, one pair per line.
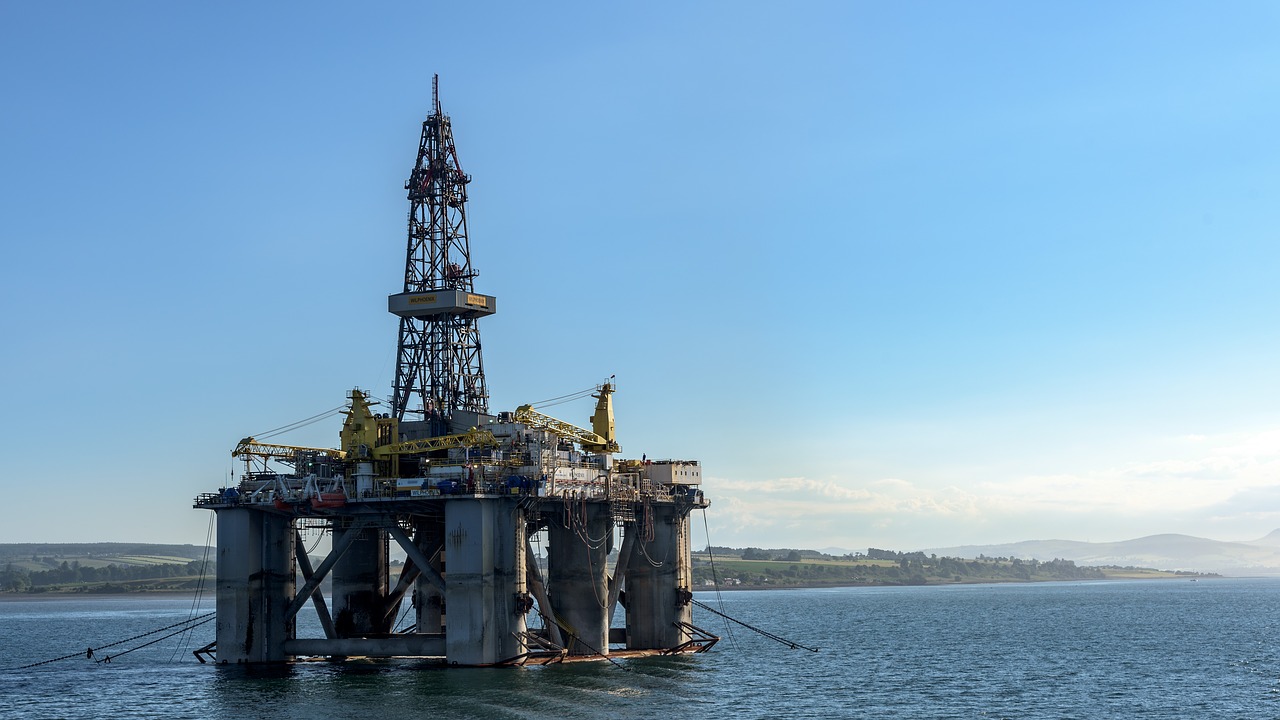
133,567
732,567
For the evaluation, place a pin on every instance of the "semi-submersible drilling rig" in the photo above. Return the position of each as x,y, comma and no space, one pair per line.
461,492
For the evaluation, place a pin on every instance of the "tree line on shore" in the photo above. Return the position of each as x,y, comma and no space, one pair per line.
876,566
17,579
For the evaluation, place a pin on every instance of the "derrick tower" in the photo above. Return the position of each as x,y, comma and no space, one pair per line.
439,367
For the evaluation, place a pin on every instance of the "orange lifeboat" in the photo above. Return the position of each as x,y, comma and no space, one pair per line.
328,500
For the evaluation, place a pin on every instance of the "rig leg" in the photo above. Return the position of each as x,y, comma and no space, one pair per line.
577,572
429,599
255,579
485,590
360,582
658,580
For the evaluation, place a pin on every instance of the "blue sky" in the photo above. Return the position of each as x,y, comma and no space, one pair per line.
901,275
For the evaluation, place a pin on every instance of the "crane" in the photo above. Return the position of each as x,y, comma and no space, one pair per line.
284,453
370,436
599,439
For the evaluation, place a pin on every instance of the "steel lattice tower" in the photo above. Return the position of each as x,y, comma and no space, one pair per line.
439,360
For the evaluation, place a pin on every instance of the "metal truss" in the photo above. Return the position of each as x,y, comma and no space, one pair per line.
439,362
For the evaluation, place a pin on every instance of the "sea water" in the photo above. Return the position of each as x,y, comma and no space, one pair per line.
1147,649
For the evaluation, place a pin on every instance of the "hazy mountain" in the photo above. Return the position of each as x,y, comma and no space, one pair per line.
1165,552
1270,540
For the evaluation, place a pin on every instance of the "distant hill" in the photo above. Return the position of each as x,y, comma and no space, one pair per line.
38,556
1167,552
103,567
1271,539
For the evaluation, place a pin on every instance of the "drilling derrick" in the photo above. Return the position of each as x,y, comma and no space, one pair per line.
439,362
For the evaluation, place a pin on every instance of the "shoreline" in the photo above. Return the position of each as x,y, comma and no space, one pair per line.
993,581
56,596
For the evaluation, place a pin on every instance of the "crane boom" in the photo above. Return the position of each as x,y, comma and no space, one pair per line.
363,432
534,419
602,440
471,438
249,446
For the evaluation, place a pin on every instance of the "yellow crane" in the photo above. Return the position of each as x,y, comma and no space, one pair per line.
368,435
599,439
364,435
471,438
284,453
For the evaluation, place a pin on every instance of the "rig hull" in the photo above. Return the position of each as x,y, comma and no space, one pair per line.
481,594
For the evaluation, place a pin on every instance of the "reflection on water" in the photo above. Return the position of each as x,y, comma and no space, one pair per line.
583,689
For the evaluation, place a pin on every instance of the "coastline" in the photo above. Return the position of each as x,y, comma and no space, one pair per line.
57,596
991,581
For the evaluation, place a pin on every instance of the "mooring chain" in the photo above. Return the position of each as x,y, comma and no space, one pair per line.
766,633
88,652
569,631
109,658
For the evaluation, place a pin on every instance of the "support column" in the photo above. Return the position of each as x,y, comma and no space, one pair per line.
577,573
659,578
533,578
429,599
485,588
360,582
255,581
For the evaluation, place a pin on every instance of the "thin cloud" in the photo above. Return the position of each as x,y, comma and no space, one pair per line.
1206,484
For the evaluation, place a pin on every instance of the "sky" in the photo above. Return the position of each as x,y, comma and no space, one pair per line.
900,275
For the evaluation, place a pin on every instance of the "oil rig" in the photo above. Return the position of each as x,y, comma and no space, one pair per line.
462,493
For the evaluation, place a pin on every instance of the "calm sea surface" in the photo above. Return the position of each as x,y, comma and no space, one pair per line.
1150,649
